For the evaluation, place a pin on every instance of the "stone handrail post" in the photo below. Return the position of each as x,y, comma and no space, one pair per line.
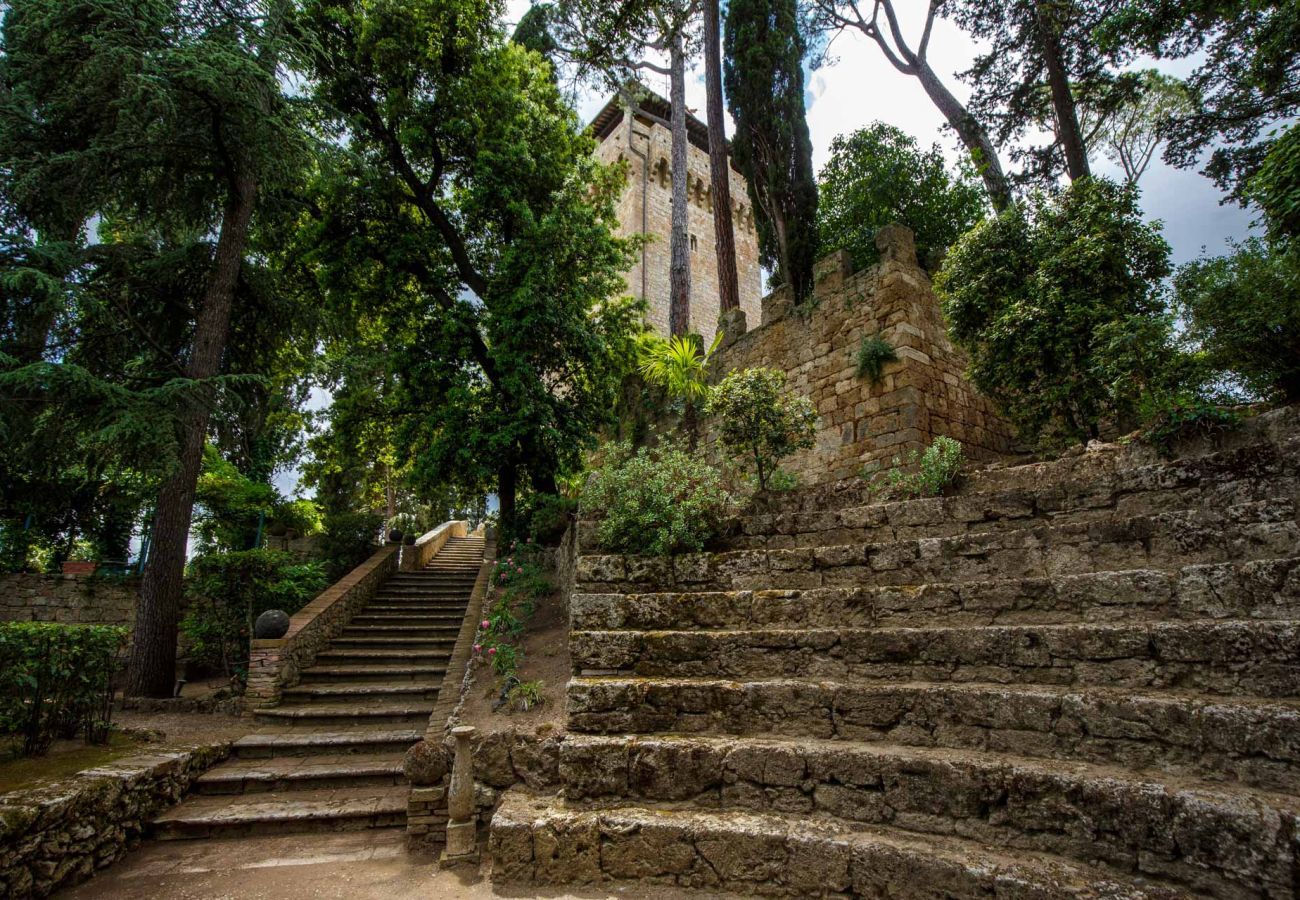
462,833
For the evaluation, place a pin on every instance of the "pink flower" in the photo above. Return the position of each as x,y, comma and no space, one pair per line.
478,648
485,624
492,651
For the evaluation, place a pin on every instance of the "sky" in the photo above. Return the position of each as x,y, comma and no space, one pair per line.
862,87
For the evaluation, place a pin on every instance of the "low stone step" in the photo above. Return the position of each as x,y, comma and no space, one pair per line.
537,841
401,630
1254,742
1211,838
362,691
248,776
1166,541
330,656
403,642
411,619
318,674
405,607
409,711
344,809
278,743
1259,589
1252,658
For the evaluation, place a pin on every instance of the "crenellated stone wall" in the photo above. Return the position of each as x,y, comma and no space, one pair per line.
923,395
70,599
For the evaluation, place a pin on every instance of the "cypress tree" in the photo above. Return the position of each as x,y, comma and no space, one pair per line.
763,71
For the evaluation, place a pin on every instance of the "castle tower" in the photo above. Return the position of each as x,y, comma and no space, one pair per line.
646,208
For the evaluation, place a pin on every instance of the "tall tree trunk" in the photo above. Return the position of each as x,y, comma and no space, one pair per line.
152,668
719,170
971,134
1058,79
679,270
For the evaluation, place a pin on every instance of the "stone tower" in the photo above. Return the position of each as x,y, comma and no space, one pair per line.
646,208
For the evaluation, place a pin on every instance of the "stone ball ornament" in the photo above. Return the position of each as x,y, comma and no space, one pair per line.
271,625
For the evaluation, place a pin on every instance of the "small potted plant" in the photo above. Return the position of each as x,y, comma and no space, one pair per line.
82,560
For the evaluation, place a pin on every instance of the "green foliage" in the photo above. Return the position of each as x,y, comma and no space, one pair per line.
1169,419
931,471
1132,125
230,504
56,681
763,54
878,175
347,540
760,421
678,364
656,501
525,695
1276,187
1244,310
515,586
1246,77
543,518
1044,297
872,356
228,591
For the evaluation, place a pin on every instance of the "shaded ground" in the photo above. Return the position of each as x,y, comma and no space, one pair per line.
354,865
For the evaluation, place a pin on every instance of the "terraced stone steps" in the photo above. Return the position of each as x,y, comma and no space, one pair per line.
329,756
1251,741
1072,678
1216,838
543,841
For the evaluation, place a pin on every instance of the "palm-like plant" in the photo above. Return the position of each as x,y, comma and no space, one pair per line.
678,365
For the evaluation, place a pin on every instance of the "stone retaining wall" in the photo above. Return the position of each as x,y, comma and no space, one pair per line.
275,664
923,395
70,599
418,555
57,836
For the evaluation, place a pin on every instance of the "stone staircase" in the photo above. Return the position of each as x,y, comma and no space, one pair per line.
329,757
1077,678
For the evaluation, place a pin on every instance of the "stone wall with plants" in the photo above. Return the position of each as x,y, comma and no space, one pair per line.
872,353
71,599
57,836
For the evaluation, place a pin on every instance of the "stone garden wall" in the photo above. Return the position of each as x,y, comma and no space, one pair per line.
923,395
57,836
70,599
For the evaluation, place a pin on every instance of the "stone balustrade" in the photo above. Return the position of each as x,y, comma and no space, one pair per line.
274,664
426,547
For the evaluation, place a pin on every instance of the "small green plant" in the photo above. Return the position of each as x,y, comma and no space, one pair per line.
872,356
678,364
656,501
525,695
782,480
56,681
760,421
1168,420
931,471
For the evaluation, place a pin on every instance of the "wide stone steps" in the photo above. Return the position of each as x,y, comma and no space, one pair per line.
1220,839
411,712
431,620
546,841
343,809
416,630
1164,542
332,656
1259,589
360,690
1250,741
328,674
298,743
405,642
1254,658
248,776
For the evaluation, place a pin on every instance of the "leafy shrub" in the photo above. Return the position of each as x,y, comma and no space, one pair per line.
1276,186
658,501
1244,310
872,356
543,518
1038,296
1170,419
228,591
56,681
525,695
229,505
759,421
931,471
878,175
347,541
517,584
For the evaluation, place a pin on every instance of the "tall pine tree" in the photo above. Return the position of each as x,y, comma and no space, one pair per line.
763,71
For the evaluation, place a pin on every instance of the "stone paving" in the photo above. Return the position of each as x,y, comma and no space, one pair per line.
329,757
